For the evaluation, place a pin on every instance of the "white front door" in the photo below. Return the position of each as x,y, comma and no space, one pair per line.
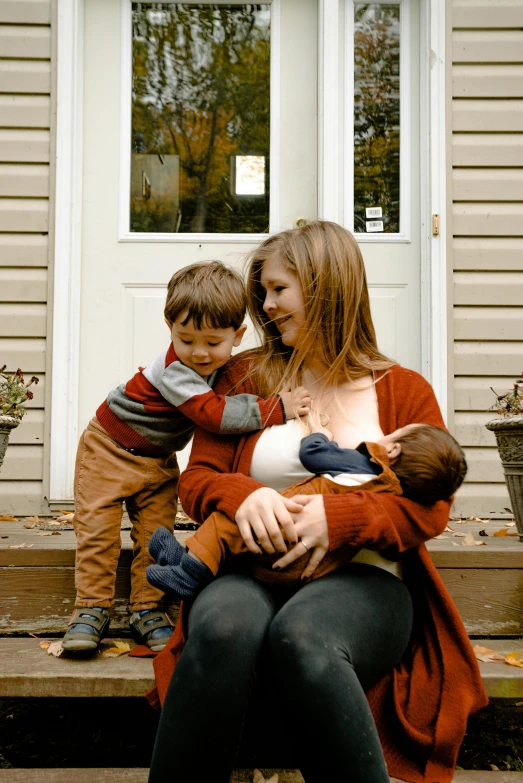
201,134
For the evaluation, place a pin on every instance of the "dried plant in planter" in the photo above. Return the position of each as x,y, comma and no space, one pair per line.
508,429
511,403
14,393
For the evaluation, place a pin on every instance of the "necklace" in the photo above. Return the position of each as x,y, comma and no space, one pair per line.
324,419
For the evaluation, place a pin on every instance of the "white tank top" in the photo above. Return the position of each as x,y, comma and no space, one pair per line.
276,464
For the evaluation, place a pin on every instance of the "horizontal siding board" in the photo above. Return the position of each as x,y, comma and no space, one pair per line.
25,11
31,180
488,219
23,285
483,465
487,115
484,184
473,15
22,352
30,431
489,288
502,253
24,250
487,46
480,500
470,430
475,394
483,149
488,323
488,358
24,215
25,111
21,497
24,146
25,76
23,320
23,463
487,81
25,42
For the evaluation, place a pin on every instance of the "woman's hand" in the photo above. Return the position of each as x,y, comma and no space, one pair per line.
262,517
313,534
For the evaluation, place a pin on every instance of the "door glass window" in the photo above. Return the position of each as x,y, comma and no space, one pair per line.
200,118
377,118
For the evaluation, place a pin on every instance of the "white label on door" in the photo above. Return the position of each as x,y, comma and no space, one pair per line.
374,225
373,212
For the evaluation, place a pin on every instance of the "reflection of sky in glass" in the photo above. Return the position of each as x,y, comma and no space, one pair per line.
250,175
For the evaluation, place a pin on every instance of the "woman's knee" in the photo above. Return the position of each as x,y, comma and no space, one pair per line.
297,648
232,613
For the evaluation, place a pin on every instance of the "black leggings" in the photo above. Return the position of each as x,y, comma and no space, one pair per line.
324,647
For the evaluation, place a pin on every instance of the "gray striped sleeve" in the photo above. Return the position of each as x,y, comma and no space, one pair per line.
176,382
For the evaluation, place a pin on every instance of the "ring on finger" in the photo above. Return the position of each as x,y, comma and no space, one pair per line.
304,544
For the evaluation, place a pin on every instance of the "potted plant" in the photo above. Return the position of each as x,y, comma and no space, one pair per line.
14,393
508,429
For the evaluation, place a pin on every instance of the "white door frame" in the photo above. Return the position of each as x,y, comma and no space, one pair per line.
68,208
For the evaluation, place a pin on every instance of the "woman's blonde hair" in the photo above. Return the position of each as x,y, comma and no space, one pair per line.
327,261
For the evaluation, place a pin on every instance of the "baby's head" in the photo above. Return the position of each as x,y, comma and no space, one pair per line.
428,461
204,311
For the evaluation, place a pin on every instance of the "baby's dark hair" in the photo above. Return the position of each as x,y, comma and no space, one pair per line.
212,295
431,465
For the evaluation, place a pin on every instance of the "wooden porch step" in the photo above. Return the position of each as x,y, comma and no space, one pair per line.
37,579
27,670
239,776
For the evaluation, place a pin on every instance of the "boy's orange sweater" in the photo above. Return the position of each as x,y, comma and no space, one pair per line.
421,707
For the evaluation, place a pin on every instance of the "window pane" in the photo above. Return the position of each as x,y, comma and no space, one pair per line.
200,118
377,118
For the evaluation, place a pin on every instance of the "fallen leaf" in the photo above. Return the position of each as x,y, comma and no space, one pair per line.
439,538
494,768
64,511
259,777
45,645
469,540
55,648
460,535
500,533
34,520
19,546
514,659
454,543
64,519
486,655
448,529
7,518
52,522
475,519
483,533
120,648
4,536
29,527
508,510
511,524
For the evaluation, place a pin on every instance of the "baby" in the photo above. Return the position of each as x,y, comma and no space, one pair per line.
429,465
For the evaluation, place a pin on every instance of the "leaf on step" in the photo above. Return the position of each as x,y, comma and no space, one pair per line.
469,540
7,518
460,535
53,522
119,648
511,524
19,546
45,645
486,655
259,777
64,519
4,536
441,537
64,511
508,510
49,533
514,659
448,529
33,520
500,533
494,768
55,648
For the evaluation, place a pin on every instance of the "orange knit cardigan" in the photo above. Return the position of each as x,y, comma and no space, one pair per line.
421,707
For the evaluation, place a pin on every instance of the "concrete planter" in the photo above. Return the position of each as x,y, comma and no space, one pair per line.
509,437
7,423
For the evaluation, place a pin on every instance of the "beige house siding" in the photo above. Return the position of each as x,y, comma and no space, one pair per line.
25,120
487,228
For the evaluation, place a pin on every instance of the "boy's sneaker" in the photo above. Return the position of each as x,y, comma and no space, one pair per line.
151,627
87,627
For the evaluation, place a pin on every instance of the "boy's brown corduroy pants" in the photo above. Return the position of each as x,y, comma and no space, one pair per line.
105,476
218,538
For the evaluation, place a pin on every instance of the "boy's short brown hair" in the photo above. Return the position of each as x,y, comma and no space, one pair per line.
212,295
431,465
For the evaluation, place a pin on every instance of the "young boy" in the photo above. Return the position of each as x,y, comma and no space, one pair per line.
128,451
429,465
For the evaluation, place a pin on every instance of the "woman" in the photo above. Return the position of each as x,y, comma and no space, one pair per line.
371,662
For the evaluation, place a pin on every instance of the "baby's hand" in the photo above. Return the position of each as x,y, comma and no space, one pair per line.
296,403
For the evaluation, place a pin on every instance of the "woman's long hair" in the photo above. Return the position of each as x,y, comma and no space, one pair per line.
327,261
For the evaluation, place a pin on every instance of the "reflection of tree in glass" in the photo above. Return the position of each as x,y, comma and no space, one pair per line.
201,92
376,113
